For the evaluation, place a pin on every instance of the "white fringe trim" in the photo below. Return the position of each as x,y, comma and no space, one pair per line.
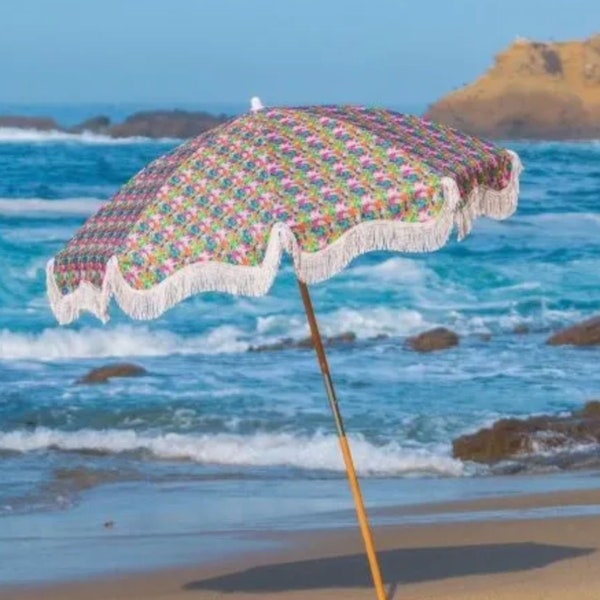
310,267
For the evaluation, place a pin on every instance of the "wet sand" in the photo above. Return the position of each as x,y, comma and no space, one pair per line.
532,559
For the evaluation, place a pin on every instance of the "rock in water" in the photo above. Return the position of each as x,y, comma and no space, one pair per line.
23,122
439,338
166,124
103,374
591,410
348,337
100,124
586,333
509,438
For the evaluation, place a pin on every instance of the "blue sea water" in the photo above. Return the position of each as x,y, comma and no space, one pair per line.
213,413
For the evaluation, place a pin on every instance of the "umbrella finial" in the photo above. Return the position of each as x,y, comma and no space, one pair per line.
256,104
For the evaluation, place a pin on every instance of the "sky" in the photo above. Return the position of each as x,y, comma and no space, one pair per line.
385,52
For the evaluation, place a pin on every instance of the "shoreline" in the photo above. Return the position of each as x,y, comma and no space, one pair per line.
421,559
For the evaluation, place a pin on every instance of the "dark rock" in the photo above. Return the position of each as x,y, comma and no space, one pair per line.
439,338
178,124
591,410
109,524
103,374
509,438
521,329
166,124
586,333
20,122
348,337
99,124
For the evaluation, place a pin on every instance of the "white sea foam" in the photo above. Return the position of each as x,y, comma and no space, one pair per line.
120,341
316,452
397,270
33,207
366,323
28,136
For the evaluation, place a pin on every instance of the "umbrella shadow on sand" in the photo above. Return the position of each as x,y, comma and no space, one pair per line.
399,566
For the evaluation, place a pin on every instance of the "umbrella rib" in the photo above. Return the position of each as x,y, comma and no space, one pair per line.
361,512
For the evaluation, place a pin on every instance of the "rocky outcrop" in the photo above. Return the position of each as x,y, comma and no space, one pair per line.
534,90
99,124
177,124
342,339
439,338
103,374
586,333
166,124
509,438
19,122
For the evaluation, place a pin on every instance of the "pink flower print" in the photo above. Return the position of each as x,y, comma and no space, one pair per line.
230,204
423,215
315,214
367,201
365,161
287,183
312,139
393,153
393,196
258,227
301,198
339,131
421,189
271,167
286,147
339,168
340,208
221,234
155,222
352,145
353,183
239,254
134,274
406,170
177,201
169,230
313,176
169,265
326,154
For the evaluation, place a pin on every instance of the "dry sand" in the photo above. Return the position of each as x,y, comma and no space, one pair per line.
543,559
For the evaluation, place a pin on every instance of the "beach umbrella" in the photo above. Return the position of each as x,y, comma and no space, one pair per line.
322,183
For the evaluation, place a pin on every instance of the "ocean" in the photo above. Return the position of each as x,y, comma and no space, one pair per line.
240,439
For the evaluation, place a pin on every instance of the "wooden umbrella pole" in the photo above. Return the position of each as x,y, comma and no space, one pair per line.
345,446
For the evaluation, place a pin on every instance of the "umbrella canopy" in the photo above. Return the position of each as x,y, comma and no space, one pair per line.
323,183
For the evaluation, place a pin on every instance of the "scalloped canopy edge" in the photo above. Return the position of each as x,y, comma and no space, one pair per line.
310,267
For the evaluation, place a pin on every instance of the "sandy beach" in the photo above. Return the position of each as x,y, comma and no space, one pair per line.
514,558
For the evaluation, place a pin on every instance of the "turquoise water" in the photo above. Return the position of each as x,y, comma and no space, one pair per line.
210,411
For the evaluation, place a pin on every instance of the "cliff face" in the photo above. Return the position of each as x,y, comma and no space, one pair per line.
534,90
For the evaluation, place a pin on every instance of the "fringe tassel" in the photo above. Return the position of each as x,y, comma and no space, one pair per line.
310,267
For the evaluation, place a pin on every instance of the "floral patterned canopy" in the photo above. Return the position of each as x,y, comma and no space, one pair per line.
324,183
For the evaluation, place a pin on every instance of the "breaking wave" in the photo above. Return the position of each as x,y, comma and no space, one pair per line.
318,452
